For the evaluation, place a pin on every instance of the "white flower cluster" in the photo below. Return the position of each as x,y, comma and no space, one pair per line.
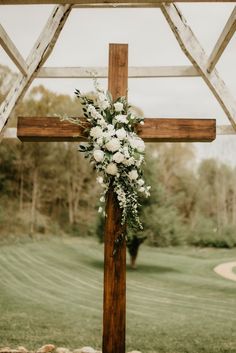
115,150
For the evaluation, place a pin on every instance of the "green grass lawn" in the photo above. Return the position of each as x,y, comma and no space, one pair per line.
51,292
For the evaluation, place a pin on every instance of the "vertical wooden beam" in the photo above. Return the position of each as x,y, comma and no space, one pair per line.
114,310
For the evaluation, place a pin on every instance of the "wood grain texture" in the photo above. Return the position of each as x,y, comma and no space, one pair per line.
118,70
114,304
153,130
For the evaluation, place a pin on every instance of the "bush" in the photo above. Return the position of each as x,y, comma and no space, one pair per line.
206,234
163,226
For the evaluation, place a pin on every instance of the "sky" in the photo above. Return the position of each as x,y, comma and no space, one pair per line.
84,42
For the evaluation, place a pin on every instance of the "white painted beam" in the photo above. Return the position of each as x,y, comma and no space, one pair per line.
10,133
117,5
195,53
102,72
223,41
102,2
225,130
12,51
39,54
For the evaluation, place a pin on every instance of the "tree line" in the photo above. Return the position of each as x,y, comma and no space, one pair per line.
48,188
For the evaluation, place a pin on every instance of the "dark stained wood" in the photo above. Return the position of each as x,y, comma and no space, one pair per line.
154,130
118,70
114,299
177,130
114,304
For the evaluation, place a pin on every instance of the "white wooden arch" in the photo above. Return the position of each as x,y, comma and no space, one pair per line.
201,65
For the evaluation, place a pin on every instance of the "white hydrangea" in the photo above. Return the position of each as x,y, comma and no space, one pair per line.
133,174
111,169
110,127
122,119
96,132
121,133
118,157
118,106
98,155
113,145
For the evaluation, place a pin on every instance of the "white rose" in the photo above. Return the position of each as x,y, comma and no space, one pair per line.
121,133
137,144
100,180
118,157
140,182
112,169
130,161
118,107
97,115
133,174
100,141
96,132
113,145
104,105
98,155
102,122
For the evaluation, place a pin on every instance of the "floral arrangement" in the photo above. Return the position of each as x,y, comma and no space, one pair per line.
115,150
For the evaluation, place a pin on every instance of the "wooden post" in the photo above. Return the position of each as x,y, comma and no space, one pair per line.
115,265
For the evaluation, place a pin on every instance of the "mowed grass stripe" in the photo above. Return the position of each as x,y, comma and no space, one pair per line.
54,273
175,303
27,277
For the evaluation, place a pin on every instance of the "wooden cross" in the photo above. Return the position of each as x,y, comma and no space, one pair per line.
154,130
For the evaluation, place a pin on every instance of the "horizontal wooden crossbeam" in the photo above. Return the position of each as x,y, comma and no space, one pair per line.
153,130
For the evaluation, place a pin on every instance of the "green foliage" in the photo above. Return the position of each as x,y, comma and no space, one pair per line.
206,234
49,187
